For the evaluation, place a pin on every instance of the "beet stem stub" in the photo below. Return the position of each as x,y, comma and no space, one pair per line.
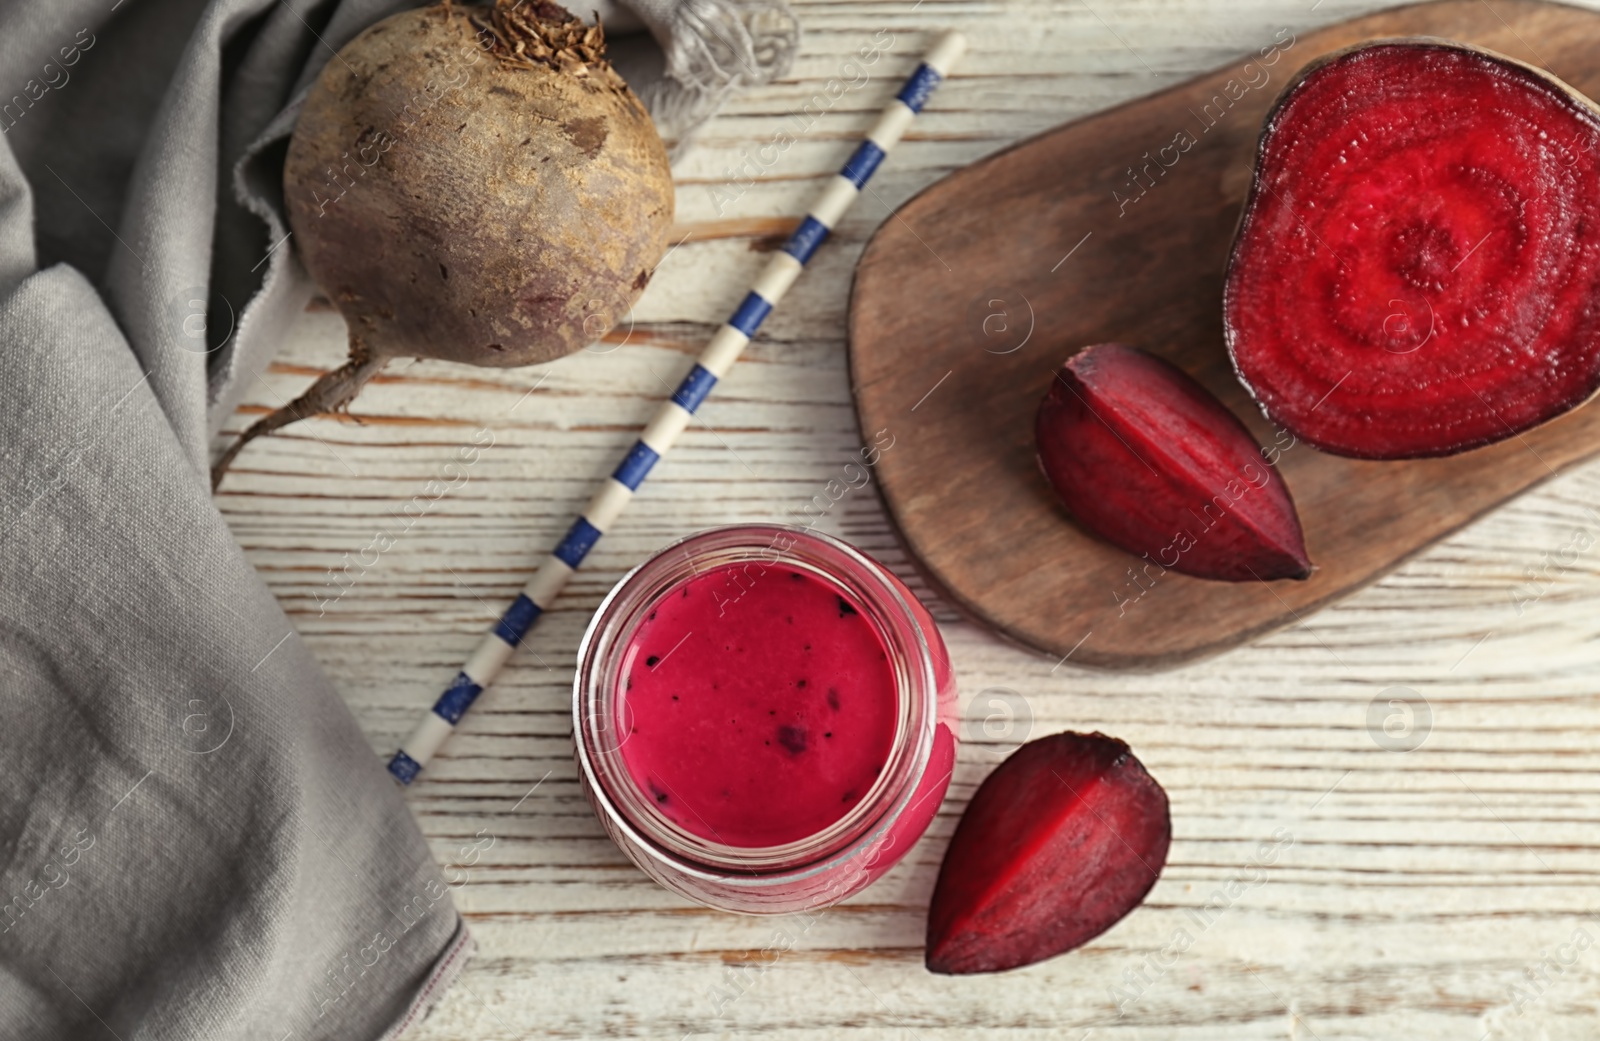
332,392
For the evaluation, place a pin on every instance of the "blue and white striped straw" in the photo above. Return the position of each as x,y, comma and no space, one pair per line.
720,354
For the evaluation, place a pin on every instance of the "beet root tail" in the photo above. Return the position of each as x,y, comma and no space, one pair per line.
332,392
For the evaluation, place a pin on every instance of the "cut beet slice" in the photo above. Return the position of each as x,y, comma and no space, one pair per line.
1417,271
1058,844
1154,463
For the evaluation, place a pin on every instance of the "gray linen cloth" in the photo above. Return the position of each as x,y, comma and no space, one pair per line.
195,839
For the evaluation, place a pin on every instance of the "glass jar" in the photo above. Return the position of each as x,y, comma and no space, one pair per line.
881,825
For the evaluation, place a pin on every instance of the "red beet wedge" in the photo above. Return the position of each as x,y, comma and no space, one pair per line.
1057,845
1154,463
1418,268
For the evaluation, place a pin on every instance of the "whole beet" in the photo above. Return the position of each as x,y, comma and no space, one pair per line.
473,184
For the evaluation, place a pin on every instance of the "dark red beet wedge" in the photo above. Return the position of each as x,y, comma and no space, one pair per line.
1057,845
1418,267
1154,463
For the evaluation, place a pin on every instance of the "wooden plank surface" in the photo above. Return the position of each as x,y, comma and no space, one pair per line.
1409,894
989,279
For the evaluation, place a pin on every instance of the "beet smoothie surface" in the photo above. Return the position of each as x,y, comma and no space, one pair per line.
759,718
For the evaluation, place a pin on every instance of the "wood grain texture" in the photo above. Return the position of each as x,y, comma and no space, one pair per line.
1419,886
1117,228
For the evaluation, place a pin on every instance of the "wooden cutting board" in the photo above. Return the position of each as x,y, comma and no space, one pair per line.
966,302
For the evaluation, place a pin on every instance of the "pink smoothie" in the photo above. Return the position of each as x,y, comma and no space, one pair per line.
759,705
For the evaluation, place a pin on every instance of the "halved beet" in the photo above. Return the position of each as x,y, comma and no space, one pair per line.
1057,845
1417,271
1154,463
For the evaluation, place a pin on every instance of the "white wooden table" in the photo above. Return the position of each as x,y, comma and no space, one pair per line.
1411,891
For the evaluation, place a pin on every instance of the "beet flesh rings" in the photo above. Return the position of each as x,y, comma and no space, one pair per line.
1418,268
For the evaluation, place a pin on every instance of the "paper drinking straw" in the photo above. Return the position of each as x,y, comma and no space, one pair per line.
718,357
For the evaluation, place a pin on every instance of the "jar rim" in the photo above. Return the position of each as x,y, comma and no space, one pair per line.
600,653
